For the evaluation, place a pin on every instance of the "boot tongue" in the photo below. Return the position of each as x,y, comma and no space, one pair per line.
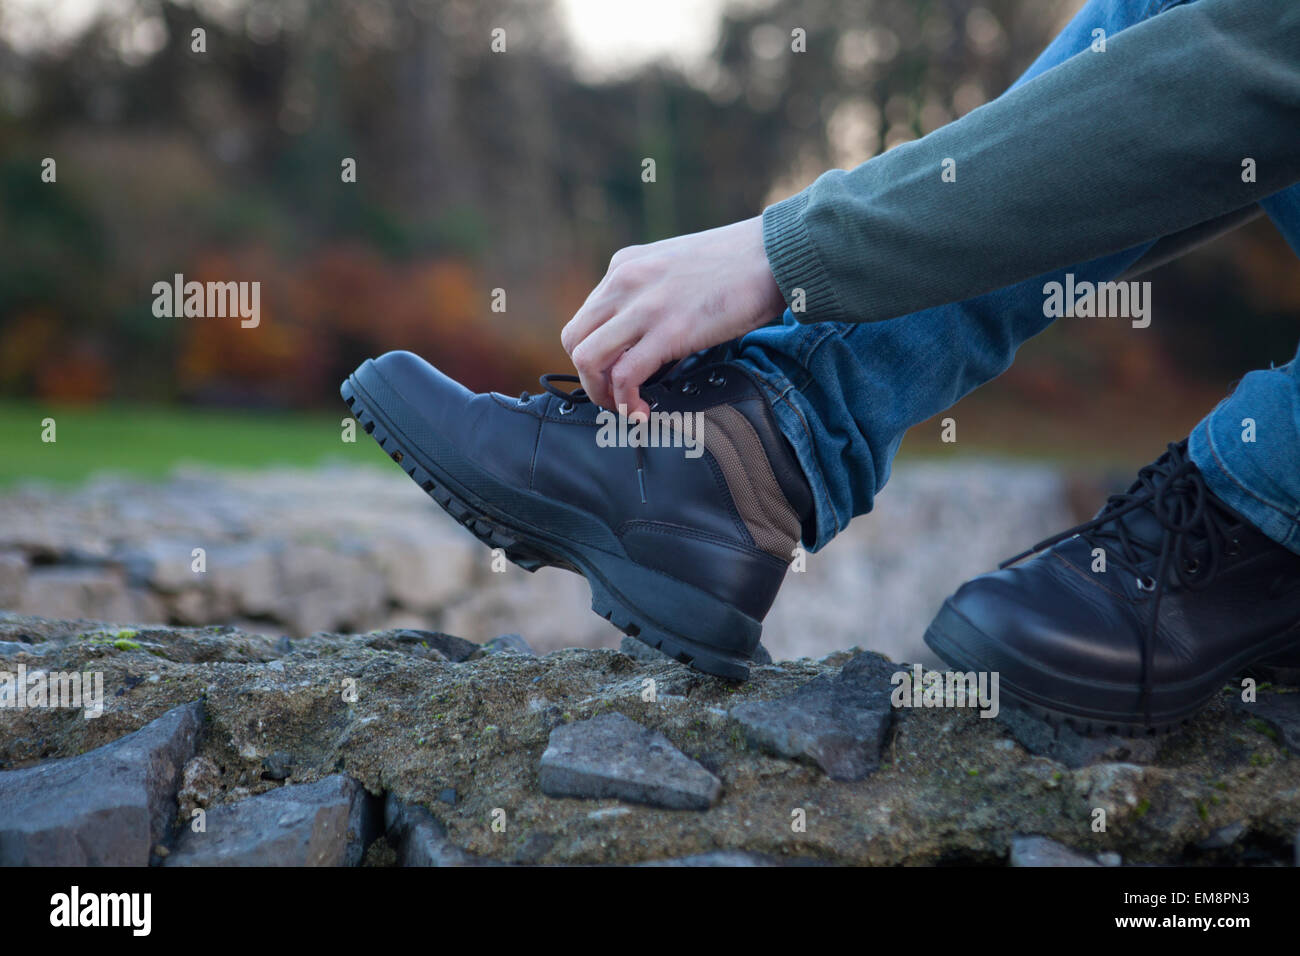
714,355
1145,530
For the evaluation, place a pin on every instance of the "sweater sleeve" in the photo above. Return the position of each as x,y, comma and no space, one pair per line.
1101,153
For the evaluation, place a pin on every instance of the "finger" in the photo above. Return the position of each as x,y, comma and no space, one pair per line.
595,312
630,372
597,388
603,301
597,353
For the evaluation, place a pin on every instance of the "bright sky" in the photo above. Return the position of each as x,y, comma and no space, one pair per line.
616,35
611,36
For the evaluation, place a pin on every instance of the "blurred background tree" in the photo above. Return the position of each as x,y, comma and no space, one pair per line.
518,171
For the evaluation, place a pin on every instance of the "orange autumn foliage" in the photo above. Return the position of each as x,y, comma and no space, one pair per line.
324,314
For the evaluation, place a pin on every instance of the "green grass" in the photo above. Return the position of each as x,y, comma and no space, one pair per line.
149,441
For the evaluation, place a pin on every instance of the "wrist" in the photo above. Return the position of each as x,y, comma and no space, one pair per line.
771,300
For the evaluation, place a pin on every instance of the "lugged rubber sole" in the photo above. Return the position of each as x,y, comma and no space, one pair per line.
965,648
669,615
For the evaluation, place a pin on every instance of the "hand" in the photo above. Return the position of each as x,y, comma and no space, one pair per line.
661,302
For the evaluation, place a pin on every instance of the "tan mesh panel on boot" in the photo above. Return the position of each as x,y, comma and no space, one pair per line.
739,452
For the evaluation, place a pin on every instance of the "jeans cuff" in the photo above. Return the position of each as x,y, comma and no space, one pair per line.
1268,518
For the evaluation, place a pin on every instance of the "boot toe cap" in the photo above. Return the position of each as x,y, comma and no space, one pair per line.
1037,617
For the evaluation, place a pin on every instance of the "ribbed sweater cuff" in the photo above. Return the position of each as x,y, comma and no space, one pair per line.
795,263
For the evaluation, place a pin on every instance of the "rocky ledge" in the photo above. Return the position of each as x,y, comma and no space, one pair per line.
216,746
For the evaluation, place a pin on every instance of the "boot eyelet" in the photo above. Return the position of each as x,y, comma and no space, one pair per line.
566,408
1192,566
689,388
717,379
1146,583
1234,548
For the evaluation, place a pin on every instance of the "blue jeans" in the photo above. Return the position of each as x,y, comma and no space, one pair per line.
844,394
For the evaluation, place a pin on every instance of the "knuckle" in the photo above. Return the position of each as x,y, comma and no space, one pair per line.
581,356
617,277
628,274
622,255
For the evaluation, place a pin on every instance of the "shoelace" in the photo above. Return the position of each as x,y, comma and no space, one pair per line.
1174,492
579,396
668,373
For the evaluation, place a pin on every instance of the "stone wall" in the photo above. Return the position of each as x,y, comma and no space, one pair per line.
402,748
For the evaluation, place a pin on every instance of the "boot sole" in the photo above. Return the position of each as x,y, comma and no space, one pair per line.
965,648
669,615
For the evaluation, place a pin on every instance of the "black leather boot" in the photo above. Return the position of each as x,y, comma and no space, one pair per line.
684,546
1191,595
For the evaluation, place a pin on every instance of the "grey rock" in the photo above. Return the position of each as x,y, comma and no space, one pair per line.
1110,858
385,641
640,652
448,796
649,655
534,847
719,858
839,723
277,765
1040,851
1224,837
108,807
433,644
1066,745
13,648
418,837
612,756
37,630
508,644
327,823
1281,712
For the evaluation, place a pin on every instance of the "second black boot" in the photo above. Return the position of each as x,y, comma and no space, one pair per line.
684,543
1133,620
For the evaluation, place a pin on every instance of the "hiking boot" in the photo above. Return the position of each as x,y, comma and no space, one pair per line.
684,543
1191,594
